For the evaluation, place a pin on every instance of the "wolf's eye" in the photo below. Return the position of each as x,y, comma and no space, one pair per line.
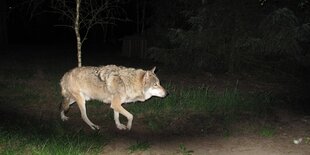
155,84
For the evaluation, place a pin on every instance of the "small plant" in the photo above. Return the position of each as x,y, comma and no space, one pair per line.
307,140
184,151
139,146
267,132
153,125
226,133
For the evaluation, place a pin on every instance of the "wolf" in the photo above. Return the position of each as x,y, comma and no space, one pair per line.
110,84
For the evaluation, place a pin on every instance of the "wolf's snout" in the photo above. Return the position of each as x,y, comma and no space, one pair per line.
165,94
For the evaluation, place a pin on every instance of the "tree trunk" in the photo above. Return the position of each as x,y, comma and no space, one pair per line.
77,33
138,17
143,17
3,24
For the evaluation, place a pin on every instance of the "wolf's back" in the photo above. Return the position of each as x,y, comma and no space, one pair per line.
76,78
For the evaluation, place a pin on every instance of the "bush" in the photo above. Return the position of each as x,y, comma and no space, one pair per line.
277,47
203,45
217,42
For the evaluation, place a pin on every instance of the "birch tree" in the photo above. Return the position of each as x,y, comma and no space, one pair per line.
85,14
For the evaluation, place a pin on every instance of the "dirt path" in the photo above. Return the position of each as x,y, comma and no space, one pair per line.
244,145
289,128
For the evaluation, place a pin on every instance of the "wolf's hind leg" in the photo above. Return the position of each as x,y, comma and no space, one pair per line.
64,108
81,103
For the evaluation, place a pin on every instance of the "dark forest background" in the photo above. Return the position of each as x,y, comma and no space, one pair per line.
217,36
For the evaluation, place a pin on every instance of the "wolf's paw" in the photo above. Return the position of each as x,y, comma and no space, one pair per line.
129,126
64,118
121,126
95,127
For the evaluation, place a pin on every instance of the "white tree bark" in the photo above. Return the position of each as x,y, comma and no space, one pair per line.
77,33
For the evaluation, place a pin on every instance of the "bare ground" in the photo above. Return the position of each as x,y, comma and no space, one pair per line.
239,143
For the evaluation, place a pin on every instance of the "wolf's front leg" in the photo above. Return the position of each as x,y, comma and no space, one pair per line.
116,105
127,115
117,122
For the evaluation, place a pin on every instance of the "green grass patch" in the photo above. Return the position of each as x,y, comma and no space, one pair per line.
139,146
184,151
267,131
49,139
202,100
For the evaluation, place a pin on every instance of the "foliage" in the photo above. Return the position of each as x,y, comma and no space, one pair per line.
277,46
278,33
195,46
212,40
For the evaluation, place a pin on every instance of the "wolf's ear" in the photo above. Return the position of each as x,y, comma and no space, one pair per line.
153,69
145,76
102,75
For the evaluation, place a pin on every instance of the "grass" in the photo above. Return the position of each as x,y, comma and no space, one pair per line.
139,146
184,151
307,140
43,139
200,106
267,131
28,133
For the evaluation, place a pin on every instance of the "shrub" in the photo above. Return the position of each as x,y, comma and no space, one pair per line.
212,40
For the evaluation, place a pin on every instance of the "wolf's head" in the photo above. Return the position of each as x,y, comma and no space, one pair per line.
152,85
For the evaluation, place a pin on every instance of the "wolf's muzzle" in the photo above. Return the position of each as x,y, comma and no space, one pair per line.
166,94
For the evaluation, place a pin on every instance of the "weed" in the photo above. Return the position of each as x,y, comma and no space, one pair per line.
139,146
267,131
153,125
184,151
226,133
307,140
